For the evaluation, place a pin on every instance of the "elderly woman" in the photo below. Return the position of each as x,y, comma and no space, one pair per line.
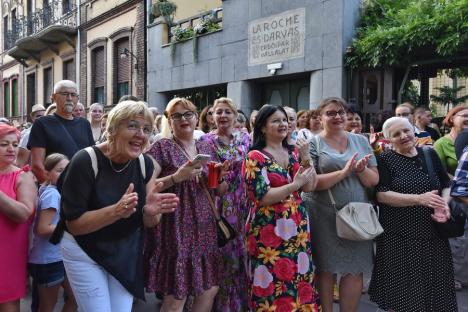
346,166
17,204
95,113
102,245
413,266
277,229
233,146
185,258
457,121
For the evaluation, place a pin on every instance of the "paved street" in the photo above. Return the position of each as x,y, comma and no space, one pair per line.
365,306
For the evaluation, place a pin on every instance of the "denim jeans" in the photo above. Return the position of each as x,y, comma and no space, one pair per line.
93,287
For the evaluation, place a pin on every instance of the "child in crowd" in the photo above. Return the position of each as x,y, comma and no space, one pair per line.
45,259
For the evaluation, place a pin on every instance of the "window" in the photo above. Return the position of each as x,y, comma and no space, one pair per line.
14,97
6,99
121,69
69,70
48,85
5,33
30,91
66,6
99,75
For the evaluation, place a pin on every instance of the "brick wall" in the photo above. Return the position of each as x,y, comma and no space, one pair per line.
140,46
83,68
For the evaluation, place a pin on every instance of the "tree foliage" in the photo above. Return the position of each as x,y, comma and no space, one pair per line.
449,96
391,31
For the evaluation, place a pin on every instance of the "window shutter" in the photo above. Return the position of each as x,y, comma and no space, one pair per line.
69,70
123,64
48,85
99,67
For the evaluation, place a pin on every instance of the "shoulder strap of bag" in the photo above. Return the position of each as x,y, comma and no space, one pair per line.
317,148
429,165
203,186
92,154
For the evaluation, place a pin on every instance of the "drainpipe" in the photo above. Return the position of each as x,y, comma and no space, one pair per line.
78,46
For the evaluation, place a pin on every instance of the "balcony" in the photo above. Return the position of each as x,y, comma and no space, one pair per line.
41,30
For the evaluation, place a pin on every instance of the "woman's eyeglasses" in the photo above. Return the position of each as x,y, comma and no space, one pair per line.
134,126
332,114
187,116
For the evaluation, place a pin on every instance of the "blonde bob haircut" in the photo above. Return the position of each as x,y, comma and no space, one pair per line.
123,111
166,131
228,102
393,120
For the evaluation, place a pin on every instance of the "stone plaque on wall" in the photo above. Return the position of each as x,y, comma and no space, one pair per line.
277,37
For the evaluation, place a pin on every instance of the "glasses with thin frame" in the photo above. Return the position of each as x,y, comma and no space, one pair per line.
67,94
134,126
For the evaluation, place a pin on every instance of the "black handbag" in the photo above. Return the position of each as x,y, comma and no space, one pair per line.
455,226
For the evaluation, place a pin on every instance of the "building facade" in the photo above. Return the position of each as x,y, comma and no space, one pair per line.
92,42
278,52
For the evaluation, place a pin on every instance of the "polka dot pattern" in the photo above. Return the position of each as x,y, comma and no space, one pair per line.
413,268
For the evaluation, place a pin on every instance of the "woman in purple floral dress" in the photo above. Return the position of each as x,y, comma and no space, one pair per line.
277,230
232,146
186,260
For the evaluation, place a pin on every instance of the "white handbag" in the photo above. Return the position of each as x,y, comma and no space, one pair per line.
356,221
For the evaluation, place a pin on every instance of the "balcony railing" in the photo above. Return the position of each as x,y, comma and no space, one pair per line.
55,13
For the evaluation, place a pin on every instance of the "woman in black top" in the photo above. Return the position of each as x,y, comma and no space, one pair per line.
413,266
105,208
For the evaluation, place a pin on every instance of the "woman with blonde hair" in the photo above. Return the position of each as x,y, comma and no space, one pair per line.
95,113
182,252
118,196
233,146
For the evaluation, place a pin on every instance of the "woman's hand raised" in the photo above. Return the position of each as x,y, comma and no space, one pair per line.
303,176
361,164
126,206
187,171
303,147
157,203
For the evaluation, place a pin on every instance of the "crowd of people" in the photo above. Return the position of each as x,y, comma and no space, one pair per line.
132,200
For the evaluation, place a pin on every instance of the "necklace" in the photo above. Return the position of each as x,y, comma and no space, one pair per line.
120,170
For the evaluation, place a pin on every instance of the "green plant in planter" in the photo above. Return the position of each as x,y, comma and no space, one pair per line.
208,24
164,8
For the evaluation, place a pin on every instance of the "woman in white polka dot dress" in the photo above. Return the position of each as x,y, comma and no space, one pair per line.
413,268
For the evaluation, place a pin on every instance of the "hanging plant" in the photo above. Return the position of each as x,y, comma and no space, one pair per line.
166,9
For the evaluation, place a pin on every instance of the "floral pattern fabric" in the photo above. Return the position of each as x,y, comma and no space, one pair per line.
232,294
278,241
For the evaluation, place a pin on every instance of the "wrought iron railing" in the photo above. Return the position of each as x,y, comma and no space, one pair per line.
57,12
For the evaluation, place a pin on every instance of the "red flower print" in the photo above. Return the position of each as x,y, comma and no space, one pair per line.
268,237
285,269
254,155
281,207
277,179
251,245
297,217
305,292
264,292
284,304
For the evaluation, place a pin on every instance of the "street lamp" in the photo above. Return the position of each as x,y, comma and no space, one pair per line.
126,53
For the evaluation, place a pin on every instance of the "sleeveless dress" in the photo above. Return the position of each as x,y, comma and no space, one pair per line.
278,241
13,247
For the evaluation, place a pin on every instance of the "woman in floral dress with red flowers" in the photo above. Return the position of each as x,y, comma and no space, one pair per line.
277,229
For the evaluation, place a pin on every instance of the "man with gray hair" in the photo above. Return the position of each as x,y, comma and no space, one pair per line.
59,132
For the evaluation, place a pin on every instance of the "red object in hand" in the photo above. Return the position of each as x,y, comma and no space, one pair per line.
213,175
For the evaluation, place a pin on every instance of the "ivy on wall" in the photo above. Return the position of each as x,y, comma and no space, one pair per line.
392,31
